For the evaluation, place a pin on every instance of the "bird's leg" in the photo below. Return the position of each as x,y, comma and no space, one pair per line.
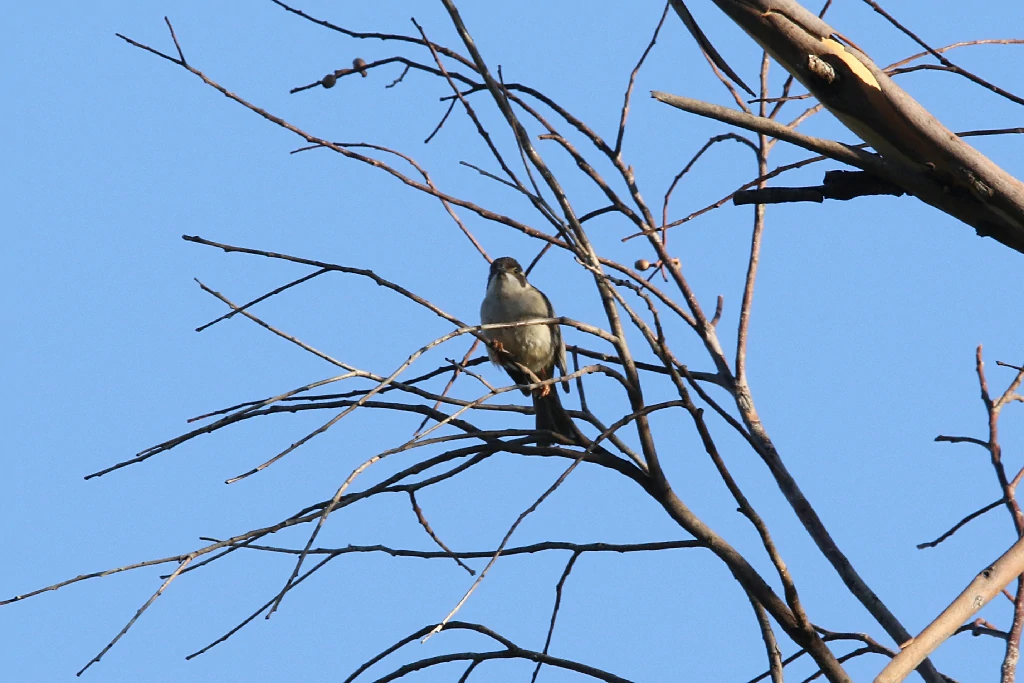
499,350
543,391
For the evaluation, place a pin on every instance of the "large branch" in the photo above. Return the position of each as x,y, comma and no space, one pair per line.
985,586
921,155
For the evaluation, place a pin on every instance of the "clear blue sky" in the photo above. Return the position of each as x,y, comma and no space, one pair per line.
866,318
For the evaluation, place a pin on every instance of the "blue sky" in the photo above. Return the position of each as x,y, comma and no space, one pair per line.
865,321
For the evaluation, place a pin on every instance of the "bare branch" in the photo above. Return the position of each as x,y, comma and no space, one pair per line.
152,599
840,185
430,532
986,585
264,297
512,651
629,92
956,527
558,601
945,62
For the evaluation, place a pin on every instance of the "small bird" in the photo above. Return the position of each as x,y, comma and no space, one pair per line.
510,298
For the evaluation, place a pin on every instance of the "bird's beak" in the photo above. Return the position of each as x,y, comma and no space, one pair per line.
498,272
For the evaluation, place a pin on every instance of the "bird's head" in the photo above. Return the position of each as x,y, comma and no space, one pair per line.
507,269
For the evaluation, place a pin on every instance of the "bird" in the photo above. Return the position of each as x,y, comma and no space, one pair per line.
539,348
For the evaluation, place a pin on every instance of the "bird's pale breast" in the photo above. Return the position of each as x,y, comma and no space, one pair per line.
508,301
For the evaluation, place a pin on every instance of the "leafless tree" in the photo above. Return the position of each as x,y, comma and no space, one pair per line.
648,307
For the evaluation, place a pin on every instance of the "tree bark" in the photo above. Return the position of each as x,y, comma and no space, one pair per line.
921,155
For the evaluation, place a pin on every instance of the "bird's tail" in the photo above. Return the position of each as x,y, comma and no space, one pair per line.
552,416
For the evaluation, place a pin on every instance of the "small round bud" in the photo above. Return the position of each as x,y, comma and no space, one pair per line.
358,65
675,262
329,80
642,265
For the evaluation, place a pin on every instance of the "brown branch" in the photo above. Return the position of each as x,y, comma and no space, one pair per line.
585,250
264,297
990,581
1012,656
956,527
1009,489
993,407
830,636
848,154
575,548
95,575
588,169
331,79
425,188
921,155
242,624
228,248
152,599
512,651
953,46
706,47
368,35
771,645
591,447
388,485
558,596
689,165
437,128
991,131
392,84
391,451
457,368
469,669
938,55
980,627
986,585
747,299
844,658
629,92
721,202
421,518
790,616
538,201
348,410
744,400
238,541
840,185
426,179
963,439
780,101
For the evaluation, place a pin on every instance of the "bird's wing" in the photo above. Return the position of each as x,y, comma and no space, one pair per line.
556,339
517,377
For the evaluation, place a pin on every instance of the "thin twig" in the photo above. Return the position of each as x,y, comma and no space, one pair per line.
554,610
956,527
157,594
421,518
938,55
629,91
